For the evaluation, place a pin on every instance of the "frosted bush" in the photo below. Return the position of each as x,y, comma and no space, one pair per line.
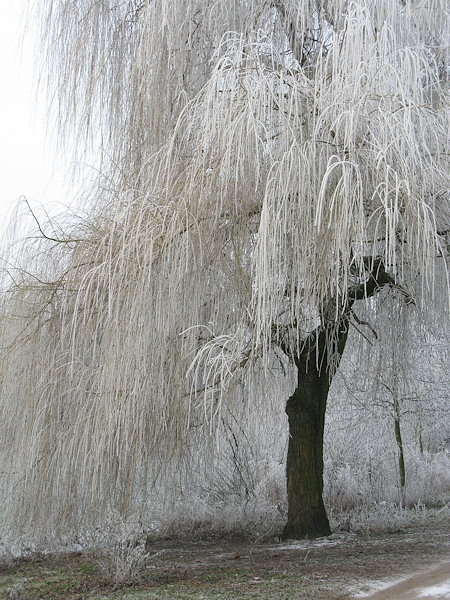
429,479
373,518
119,549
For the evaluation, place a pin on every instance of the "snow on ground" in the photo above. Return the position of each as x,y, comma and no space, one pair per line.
433,584
371,587
441,590
331,540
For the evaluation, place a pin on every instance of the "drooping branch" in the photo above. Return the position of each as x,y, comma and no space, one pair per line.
377,278
251,169
326,343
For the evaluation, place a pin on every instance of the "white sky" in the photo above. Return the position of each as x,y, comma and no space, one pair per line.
27,165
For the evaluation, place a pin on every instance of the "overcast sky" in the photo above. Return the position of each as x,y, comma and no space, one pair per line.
27,165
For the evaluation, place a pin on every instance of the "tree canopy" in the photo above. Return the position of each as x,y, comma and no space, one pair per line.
261,165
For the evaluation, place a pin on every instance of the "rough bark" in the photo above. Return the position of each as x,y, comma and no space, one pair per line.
306,410
304,467
401,454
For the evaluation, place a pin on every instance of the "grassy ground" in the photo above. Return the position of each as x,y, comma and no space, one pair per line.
334,568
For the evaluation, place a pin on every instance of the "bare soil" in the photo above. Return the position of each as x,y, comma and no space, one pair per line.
340,567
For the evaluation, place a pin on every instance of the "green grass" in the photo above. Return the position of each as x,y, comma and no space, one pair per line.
76,578
77,581
232,569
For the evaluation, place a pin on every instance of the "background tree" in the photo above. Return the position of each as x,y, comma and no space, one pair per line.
394,380
263,166
362,476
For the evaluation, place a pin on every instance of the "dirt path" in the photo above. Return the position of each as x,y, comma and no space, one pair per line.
433,584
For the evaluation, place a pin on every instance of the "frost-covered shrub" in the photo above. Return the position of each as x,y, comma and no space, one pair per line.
428,479
118,548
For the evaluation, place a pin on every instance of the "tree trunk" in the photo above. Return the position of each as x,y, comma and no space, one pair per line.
307,406
401,454
304,468
306,409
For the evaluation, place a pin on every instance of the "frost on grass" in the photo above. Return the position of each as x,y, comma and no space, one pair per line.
371,587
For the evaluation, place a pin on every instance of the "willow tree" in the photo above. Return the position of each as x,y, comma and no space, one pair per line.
264,165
